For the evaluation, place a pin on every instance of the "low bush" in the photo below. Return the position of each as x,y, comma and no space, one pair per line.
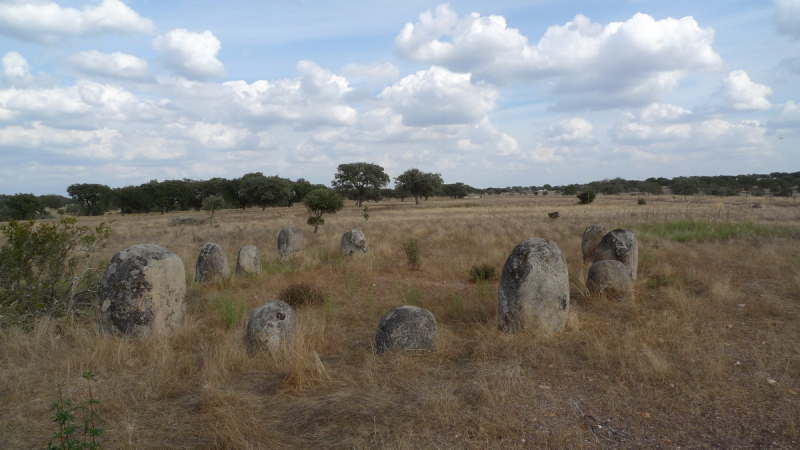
482,272
299,294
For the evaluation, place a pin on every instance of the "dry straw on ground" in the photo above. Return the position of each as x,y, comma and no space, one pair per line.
686,364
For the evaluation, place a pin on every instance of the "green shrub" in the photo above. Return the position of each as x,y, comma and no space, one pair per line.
641,201
411,249
553,215
68,436
229,308
586,197
299,294
482,272
45,268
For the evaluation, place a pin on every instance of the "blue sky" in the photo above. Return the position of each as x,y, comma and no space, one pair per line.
488,93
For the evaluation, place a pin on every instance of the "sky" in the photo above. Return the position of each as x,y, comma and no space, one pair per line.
500,93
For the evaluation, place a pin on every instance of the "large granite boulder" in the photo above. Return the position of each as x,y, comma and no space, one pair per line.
534,288
620,245
290,242
272,326
211,264
248,260
406,328
589,240
610,278
353,242
142,292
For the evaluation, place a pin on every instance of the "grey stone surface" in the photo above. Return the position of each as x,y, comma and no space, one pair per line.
589,240
248,260
610,278
353,242
143,291
211,264
290,242
272,326
619,245
406,328
534,288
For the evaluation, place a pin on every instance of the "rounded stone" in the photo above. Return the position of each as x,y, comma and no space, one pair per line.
610,278
143,291
589,240
619,245
534,288
290,242
406,328
248,260
271,326
353,242
211,264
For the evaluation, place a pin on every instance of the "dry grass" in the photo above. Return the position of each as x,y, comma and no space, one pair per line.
659,371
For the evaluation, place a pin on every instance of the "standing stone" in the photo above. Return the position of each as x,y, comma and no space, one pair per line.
290,242
620,245
407,328
271,326
611,278
591,237
248,260
143,291
534,288
353,242
211,264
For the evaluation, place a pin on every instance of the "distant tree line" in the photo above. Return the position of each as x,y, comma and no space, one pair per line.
358,182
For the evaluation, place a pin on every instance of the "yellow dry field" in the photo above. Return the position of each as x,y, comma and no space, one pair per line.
707,355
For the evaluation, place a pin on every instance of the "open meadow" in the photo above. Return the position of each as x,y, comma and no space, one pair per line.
707,355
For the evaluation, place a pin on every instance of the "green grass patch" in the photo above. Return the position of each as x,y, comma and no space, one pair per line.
229,307
696,230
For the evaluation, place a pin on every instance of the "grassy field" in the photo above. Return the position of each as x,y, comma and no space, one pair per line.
706,356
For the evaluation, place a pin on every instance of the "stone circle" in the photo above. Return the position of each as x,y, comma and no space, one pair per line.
211,264
620,245
589,240
142,292
248,260
408,328
610,278
290,242
534,288
353,242
271,326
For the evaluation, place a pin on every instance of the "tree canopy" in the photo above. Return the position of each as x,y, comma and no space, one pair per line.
418,183
319,202
360,181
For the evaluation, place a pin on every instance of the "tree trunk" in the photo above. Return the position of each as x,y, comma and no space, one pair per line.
416,200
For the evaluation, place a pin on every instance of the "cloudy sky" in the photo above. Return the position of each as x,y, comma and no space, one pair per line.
497,93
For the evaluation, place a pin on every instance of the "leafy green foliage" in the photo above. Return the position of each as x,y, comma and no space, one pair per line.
419,184
456,190
212,204
586,197
24,207
411,249
68,436
92,198
641,201
482,272
553,215
229,307
263,191
44,268
320,202
360,180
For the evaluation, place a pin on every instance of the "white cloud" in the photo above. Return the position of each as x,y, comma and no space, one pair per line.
192,55
742,94
788,116
41,21
570,131
374,74
81,143
622,63
787,17
115,65
439,97
16,70
217,135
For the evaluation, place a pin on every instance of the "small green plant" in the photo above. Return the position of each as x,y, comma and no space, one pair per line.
298,294
365,214
484,290
411,296
68,436
411,249
586,197
641,201
351,283
482,272
320,202
456,303
553,215
229,308
211,204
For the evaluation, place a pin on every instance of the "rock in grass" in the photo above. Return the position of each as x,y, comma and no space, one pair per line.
353,242
619,245
271,326
290,242
534,288
211,264
406,328
143,291
589,240
248,260
610,278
